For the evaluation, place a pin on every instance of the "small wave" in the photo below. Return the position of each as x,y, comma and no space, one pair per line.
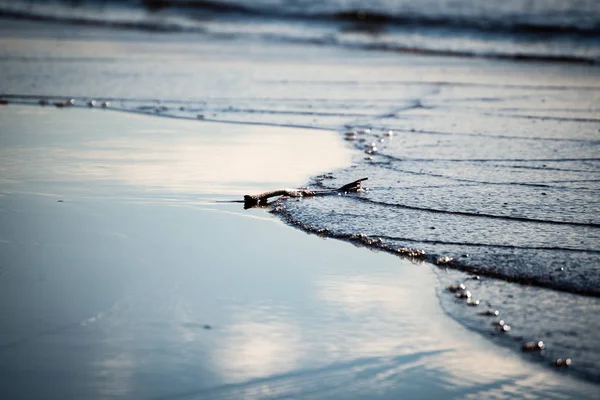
141,25
443,35
490,245
370,17
493,160
391,245
203,5
491,53
481,215
463,23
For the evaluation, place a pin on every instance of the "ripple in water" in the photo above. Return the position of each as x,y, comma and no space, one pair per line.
507,206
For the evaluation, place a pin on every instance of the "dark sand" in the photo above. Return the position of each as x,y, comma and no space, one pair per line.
123,282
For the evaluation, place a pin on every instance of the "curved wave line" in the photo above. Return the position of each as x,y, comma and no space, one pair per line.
484,160
480,215
497,136
503,246
535,185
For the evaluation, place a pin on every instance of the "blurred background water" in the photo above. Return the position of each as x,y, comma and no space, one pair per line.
542,29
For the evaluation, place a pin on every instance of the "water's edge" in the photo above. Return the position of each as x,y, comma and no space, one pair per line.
447,269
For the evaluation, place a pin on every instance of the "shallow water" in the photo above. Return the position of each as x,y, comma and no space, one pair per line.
141,300
112,286
494,160
226,159
506,195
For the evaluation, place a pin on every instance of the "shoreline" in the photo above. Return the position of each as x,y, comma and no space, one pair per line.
256,161
247,89
360,311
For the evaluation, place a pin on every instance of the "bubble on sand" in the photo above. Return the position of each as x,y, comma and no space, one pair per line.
443,260
350,135
371,149
491,313
456,287
562,362
534,346
472,303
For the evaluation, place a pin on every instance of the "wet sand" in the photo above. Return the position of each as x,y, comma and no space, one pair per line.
162,176
122,278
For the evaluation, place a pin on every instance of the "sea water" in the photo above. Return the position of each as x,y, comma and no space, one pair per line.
543,29
488,168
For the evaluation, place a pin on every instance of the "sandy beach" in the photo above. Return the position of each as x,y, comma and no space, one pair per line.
126,272
118,288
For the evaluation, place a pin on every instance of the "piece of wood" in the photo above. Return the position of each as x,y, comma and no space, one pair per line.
253,200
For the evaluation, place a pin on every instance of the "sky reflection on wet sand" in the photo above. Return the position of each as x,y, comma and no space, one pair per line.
105,297
168,156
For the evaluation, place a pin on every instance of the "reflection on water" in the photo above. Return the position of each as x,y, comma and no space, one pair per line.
124,152
164,301
387,307
197,320
116,375
254,347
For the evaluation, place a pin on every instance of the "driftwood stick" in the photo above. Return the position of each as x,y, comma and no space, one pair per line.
352,187
252,200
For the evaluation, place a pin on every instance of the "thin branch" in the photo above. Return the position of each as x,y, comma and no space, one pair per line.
253,200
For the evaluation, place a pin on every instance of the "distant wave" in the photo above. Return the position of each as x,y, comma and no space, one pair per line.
142,25
373,18
496,38
212,6
527,22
